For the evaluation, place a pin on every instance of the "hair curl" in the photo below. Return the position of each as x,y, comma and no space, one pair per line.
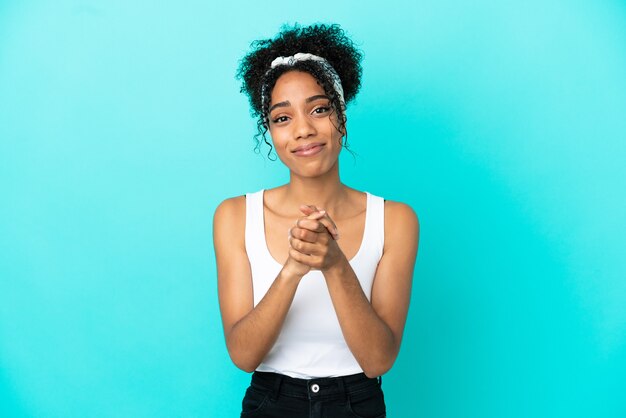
327,41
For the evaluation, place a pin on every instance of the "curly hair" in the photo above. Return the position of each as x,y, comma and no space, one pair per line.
327,41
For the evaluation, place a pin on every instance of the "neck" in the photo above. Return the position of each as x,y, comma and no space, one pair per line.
325,191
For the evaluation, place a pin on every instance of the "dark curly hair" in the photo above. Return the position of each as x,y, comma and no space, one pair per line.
327,41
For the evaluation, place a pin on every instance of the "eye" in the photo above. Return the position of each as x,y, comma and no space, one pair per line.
280,119
321,110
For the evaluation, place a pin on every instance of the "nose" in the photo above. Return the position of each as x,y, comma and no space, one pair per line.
303,127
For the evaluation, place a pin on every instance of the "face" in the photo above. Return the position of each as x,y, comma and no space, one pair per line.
303,125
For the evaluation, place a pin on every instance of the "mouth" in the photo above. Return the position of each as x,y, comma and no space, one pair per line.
308,150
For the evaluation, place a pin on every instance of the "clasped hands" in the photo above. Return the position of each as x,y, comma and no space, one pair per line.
312,241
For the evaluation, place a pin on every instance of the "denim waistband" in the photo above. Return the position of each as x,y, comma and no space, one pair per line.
316,388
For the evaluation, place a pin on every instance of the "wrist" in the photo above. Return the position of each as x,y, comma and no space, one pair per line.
289,274
338,268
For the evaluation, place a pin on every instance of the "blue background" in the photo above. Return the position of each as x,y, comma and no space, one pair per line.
503,124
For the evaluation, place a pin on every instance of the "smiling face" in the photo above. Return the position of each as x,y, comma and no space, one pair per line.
302,124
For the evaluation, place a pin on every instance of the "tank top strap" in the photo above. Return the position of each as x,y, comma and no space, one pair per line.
254,230
375,223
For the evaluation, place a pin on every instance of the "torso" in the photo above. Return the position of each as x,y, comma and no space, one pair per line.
350,222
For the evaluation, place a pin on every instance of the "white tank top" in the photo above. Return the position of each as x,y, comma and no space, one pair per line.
311,343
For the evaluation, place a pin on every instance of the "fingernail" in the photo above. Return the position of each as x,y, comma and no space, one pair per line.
323,212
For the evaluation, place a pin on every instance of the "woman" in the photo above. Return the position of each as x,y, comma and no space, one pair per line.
318,319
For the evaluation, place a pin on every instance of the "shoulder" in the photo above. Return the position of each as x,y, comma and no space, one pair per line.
229,218
230,207
399,209
400,221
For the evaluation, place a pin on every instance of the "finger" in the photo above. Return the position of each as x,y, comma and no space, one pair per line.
300,257
304,234
330,226
310,224
320,214
327,216
303,247
314,216
308,209
326,221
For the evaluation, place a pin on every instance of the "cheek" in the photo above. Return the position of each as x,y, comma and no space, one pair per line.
278,141
278,147
334,123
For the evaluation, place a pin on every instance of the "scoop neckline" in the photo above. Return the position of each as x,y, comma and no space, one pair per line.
363,237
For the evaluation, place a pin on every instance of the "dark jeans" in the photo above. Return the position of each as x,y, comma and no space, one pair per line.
277,395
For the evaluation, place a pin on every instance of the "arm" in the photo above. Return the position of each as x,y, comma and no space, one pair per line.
384,319
250,331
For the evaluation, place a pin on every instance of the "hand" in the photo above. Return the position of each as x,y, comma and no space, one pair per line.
293,266
313,240
325,220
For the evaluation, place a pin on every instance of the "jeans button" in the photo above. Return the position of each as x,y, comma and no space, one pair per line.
315,387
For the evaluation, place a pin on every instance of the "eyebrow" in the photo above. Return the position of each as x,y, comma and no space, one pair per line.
286,103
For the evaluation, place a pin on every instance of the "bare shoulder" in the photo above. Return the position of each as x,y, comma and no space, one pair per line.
230,216
230,207
401,223
399,213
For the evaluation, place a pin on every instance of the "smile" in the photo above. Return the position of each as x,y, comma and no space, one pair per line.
309,151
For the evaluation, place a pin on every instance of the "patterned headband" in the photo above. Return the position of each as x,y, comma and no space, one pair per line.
291,60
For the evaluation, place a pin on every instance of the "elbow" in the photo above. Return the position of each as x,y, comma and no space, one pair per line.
244,364
242,360
378,368
245,367
379,365
371,374
376,371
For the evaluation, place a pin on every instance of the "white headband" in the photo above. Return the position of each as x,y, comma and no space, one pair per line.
291,60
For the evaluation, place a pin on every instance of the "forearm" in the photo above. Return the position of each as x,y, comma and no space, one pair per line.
252,337
369,338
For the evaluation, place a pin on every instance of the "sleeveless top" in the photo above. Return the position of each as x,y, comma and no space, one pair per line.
311,343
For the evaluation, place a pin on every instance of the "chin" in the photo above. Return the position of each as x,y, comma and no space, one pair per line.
315,171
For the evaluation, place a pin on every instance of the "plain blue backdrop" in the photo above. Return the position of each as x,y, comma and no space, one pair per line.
503,124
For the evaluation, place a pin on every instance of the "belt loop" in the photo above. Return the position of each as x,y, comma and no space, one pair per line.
342,388
276,390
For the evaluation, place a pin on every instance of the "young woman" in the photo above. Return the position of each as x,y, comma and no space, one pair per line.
314,277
